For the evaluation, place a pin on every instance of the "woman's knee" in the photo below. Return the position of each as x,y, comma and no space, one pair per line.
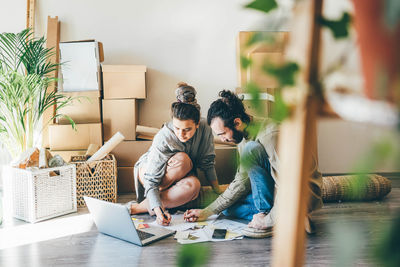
191,185
180,162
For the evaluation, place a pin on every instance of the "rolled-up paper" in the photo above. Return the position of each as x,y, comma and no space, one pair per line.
107,147
92,149
147,131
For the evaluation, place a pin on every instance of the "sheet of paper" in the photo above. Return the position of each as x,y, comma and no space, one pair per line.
179,224
197,232
229,225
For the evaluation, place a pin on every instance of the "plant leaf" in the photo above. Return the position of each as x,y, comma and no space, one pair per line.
280,110
285,74
193,255
263,5
245,62
339,28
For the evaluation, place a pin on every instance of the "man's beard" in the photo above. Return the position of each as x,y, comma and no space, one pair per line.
238,136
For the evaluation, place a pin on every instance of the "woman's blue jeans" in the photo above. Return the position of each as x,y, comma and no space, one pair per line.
255,161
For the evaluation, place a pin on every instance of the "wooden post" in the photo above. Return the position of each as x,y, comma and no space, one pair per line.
30,14
297,143
52,41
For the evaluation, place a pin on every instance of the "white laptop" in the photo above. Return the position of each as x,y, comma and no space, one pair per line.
114,220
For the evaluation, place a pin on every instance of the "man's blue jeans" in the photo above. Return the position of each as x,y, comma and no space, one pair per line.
261,198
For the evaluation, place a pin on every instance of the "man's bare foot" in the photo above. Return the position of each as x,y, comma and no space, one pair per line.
259,221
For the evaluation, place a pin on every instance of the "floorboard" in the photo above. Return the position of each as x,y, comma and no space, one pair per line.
345,231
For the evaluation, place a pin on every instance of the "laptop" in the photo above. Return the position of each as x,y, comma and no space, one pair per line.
114,220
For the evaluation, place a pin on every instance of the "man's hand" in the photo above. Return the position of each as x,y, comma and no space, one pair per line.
163,217
195,215
217,189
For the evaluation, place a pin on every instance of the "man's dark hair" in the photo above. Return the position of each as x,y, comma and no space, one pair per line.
183,111
228,107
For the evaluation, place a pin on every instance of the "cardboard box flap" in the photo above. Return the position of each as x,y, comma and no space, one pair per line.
123,68
78,41
101,52
89,94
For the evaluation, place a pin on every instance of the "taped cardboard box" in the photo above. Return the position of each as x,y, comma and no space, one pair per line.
63,137
124,81
226,158
126,183
272,50
85,108
128,152
120,115
82,70
67,154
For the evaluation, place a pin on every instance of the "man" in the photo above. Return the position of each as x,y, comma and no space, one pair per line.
251,194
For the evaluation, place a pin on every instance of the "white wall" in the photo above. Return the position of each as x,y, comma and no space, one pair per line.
178,40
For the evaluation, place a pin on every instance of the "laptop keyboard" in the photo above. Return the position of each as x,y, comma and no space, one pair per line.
144,235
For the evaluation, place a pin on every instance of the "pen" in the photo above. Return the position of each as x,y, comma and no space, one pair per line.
162,211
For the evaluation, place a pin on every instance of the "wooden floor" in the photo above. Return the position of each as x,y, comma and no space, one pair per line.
345,234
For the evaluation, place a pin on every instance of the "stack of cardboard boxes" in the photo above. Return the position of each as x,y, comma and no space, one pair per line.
81,81
123,85
105,101
270,51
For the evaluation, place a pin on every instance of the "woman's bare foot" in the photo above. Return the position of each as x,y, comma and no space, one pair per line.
137,208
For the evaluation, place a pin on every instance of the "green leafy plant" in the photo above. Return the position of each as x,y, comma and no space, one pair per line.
193,255
24,95
340,27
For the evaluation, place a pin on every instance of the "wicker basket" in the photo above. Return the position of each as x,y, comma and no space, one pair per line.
99,180
37,196
353,188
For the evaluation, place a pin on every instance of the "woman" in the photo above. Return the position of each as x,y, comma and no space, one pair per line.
166,174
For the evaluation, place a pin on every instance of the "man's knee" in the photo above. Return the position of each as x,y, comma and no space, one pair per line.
253,154
252,148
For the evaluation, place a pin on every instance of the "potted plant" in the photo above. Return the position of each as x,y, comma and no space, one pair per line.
24,95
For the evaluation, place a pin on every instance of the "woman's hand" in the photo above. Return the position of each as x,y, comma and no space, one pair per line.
163,217
195,215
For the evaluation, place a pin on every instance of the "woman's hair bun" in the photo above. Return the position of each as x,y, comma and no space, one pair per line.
181,84
186,94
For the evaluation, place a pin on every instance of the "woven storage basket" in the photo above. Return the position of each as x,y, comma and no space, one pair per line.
99,180
37,196
352,187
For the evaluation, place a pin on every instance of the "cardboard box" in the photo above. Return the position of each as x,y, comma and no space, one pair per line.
265,108
63,137
120,115
67,154
128,152
124,81
259,53
125,180
85,108
81,71
225,164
